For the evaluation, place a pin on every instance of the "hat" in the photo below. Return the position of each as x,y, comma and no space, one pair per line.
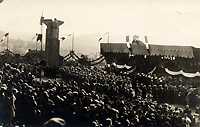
15,90
95,123
55,122
177,112
195,114
165,104
93,105
4,88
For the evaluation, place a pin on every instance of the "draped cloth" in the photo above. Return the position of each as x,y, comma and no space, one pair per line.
181,72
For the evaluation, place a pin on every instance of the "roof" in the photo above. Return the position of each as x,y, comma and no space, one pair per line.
114,47
139,48
31,52
181,51
7,52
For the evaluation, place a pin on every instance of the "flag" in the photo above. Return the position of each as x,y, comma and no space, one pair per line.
4,37
100,39
41,20
69,35
127,38
147,45
6,34
62,38
128,45
1,1
39,38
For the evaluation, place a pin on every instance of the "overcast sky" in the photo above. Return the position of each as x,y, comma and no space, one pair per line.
164,22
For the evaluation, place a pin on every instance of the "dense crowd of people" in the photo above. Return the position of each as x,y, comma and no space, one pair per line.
92,97
176,90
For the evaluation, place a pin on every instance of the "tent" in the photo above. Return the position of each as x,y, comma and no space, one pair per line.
154,50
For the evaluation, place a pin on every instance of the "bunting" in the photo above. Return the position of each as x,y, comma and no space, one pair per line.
181,72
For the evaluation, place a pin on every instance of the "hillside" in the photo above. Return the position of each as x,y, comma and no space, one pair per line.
83,44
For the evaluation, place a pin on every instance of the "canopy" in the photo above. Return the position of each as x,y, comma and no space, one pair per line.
114,47
139,48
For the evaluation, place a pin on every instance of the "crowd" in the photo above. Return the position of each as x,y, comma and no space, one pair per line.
93,97
174,90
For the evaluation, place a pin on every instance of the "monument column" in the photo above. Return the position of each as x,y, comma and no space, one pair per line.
52,45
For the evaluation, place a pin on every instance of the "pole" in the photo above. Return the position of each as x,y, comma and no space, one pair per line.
41,34
108,36
73,41
41,49
36,45
7,41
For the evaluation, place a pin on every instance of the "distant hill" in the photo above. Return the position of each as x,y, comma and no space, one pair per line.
84,44
17,46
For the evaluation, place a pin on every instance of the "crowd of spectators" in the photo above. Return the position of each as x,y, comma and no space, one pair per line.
174,90
92,97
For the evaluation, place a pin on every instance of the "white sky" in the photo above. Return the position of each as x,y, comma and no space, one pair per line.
165,22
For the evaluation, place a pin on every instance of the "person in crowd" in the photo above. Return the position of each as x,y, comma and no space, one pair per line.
186,121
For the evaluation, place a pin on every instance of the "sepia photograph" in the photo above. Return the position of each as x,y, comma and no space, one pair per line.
99,63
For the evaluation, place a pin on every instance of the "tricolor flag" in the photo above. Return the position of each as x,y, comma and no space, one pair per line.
147,45
129,45
41,20
4,37
127,38
127,42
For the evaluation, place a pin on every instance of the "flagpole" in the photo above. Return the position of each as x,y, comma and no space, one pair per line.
41,34
7,41
36,45
108,36
73,41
